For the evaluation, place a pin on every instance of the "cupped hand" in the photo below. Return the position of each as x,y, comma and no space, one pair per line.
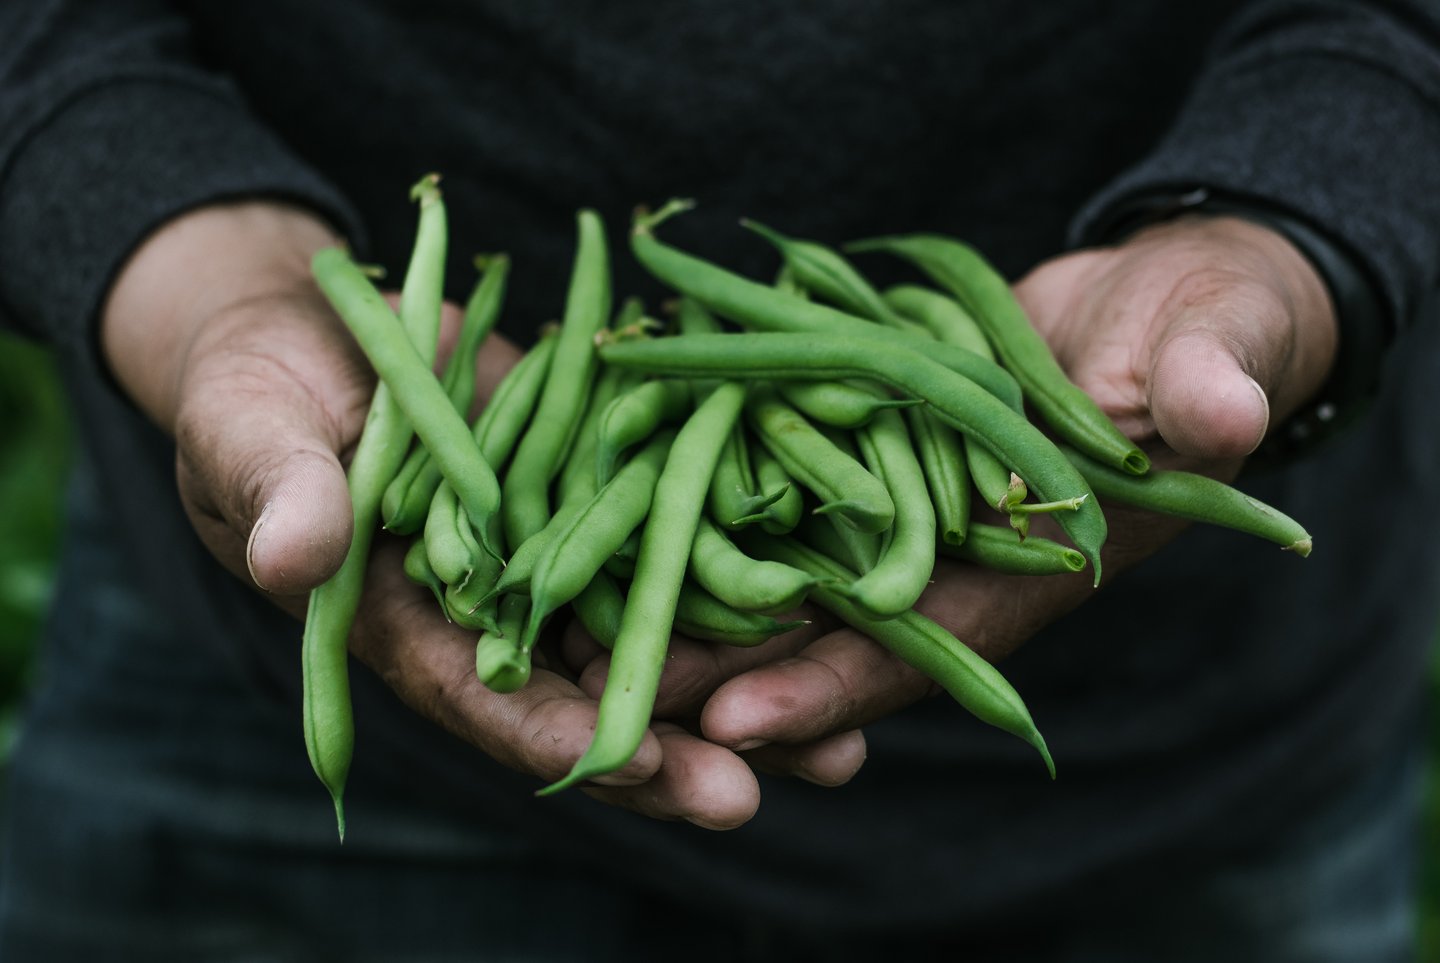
217,332
1195,336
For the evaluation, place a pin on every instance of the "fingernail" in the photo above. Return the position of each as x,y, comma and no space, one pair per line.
751,744
250,546
1264,400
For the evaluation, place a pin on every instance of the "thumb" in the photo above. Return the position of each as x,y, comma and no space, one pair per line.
1203,395
258,469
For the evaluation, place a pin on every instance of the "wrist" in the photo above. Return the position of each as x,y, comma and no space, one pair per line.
192,269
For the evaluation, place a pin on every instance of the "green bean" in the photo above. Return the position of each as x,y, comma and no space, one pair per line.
495,431
594,533
842,484
841,542
949,322
503,419
942,457
600,607
619,565
644,632
942,316
702,616
998,548
971,681
481,313
634,415
742,582
578,479
785,511
498,661
957,401
543,448
734,498
414,386
840,404
1195,498
324,648
825,271
907,558
763,308
987,297
470,603
577,485
417,569
450,545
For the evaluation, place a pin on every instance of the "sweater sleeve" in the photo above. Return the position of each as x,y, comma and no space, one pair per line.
109,126
1328,113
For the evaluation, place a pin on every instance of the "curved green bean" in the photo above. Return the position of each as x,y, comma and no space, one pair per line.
971,681
907,558
742,582
986,295
760,307
827,273
701,615
956,400
842,484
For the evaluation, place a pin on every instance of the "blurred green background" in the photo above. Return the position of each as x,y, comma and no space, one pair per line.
34,444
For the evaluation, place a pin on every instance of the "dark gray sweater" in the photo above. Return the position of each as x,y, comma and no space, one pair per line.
1194,707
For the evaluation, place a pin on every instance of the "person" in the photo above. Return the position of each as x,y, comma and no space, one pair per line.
1226,220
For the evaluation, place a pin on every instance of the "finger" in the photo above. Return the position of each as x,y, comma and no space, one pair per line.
267,402
430,663
697,781
830,762
840,682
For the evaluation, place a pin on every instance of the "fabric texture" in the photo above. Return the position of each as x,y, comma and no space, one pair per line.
1211,698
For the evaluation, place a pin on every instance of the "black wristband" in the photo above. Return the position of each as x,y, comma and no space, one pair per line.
1365,328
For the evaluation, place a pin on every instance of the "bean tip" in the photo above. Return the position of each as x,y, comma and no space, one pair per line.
1300,546
645,222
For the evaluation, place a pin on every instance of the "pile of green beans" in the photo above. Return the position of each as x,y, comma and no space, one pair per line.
713,481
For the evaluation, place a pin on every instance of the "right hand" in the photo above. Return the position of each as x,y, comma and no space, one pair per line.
217,332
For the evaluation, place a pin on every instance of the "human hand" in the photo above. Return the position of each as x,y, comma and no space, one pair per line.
1193,335
218,333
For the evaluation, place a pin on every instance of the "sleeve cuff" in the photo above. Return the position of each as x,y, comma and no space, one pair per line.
108,168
